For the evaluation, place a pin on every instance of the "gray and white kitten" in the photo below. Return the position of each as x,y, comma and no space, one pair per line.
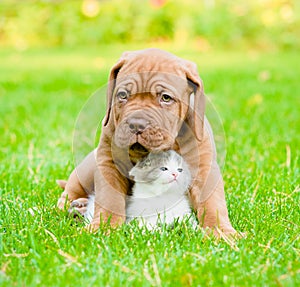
160,191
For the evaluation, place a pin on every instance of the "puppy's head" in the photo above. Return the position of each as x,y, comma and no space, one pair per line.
151,94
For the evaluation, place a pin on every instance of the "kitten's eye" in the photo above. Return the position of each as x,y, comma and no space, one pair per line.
179,169
163,168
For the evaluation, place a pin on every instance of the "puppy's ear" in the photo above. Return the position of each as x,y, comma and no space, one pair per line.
195,117
111,86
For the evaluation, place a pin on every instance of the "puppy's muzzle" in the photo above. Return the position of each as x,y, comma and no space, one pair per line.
137,125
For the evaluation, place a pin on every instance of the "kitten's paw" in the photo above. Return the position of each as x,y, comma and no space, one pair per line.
80,202
79,207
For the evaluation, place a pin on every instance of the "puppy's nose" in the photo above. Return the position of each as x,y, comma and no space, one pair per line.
137,125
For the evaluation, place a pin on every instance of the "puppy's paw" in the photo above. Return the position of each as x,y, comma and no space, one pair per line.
63,201
107,223
95,227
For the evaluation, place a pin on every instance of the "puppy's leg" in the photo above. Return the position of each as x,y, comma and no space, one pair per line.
80,207
207,194
213,212
73,191
211,204
110,191
79,187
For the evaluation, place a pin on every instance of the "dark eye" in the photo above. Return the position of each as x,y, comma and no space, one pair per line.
180,169
163,168
166,98
122,95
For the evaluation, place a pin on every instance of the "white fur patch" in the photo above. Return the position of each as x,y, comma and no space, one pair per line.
89,214
150,212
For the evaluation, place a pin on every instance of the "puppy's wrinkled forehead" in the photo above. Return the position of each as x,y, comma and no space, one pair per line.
155,72
152,82
152,60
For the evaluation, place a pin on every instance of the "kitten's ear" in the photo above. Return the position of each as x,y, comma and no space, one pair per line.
132,172
146,162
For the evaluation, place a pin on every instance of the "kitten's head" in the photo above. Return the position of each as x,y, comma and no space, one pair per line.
165,169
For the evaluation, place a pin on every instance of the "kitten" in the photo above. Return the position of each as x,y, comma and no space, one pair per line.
159,195
160,192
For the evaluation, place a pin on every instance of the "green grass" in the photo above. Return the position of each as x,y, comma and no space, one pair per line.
256,95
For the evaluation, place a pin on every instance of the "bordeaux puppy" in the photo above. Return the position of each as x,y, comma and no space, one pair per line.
155,102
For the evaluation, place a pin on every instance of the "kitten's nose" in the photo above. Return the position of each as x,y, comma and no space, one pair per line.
175,174
137,125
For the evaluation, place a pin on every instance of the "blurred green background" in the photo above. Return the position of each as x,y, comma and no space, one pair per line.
206,24
55,54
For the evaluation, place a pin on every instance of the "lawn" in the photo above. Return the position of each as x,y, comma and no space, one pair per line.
256,94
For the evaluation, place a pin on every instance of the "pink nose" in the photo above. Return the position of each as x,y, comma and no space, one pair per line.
175,174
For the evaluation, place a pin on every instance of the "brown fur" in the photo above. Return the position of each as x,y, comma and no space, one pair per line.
180,125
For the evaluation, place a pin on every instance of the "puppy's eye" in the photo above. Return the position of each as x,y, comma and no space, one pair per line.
122,95
166,98
163,168
179,169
